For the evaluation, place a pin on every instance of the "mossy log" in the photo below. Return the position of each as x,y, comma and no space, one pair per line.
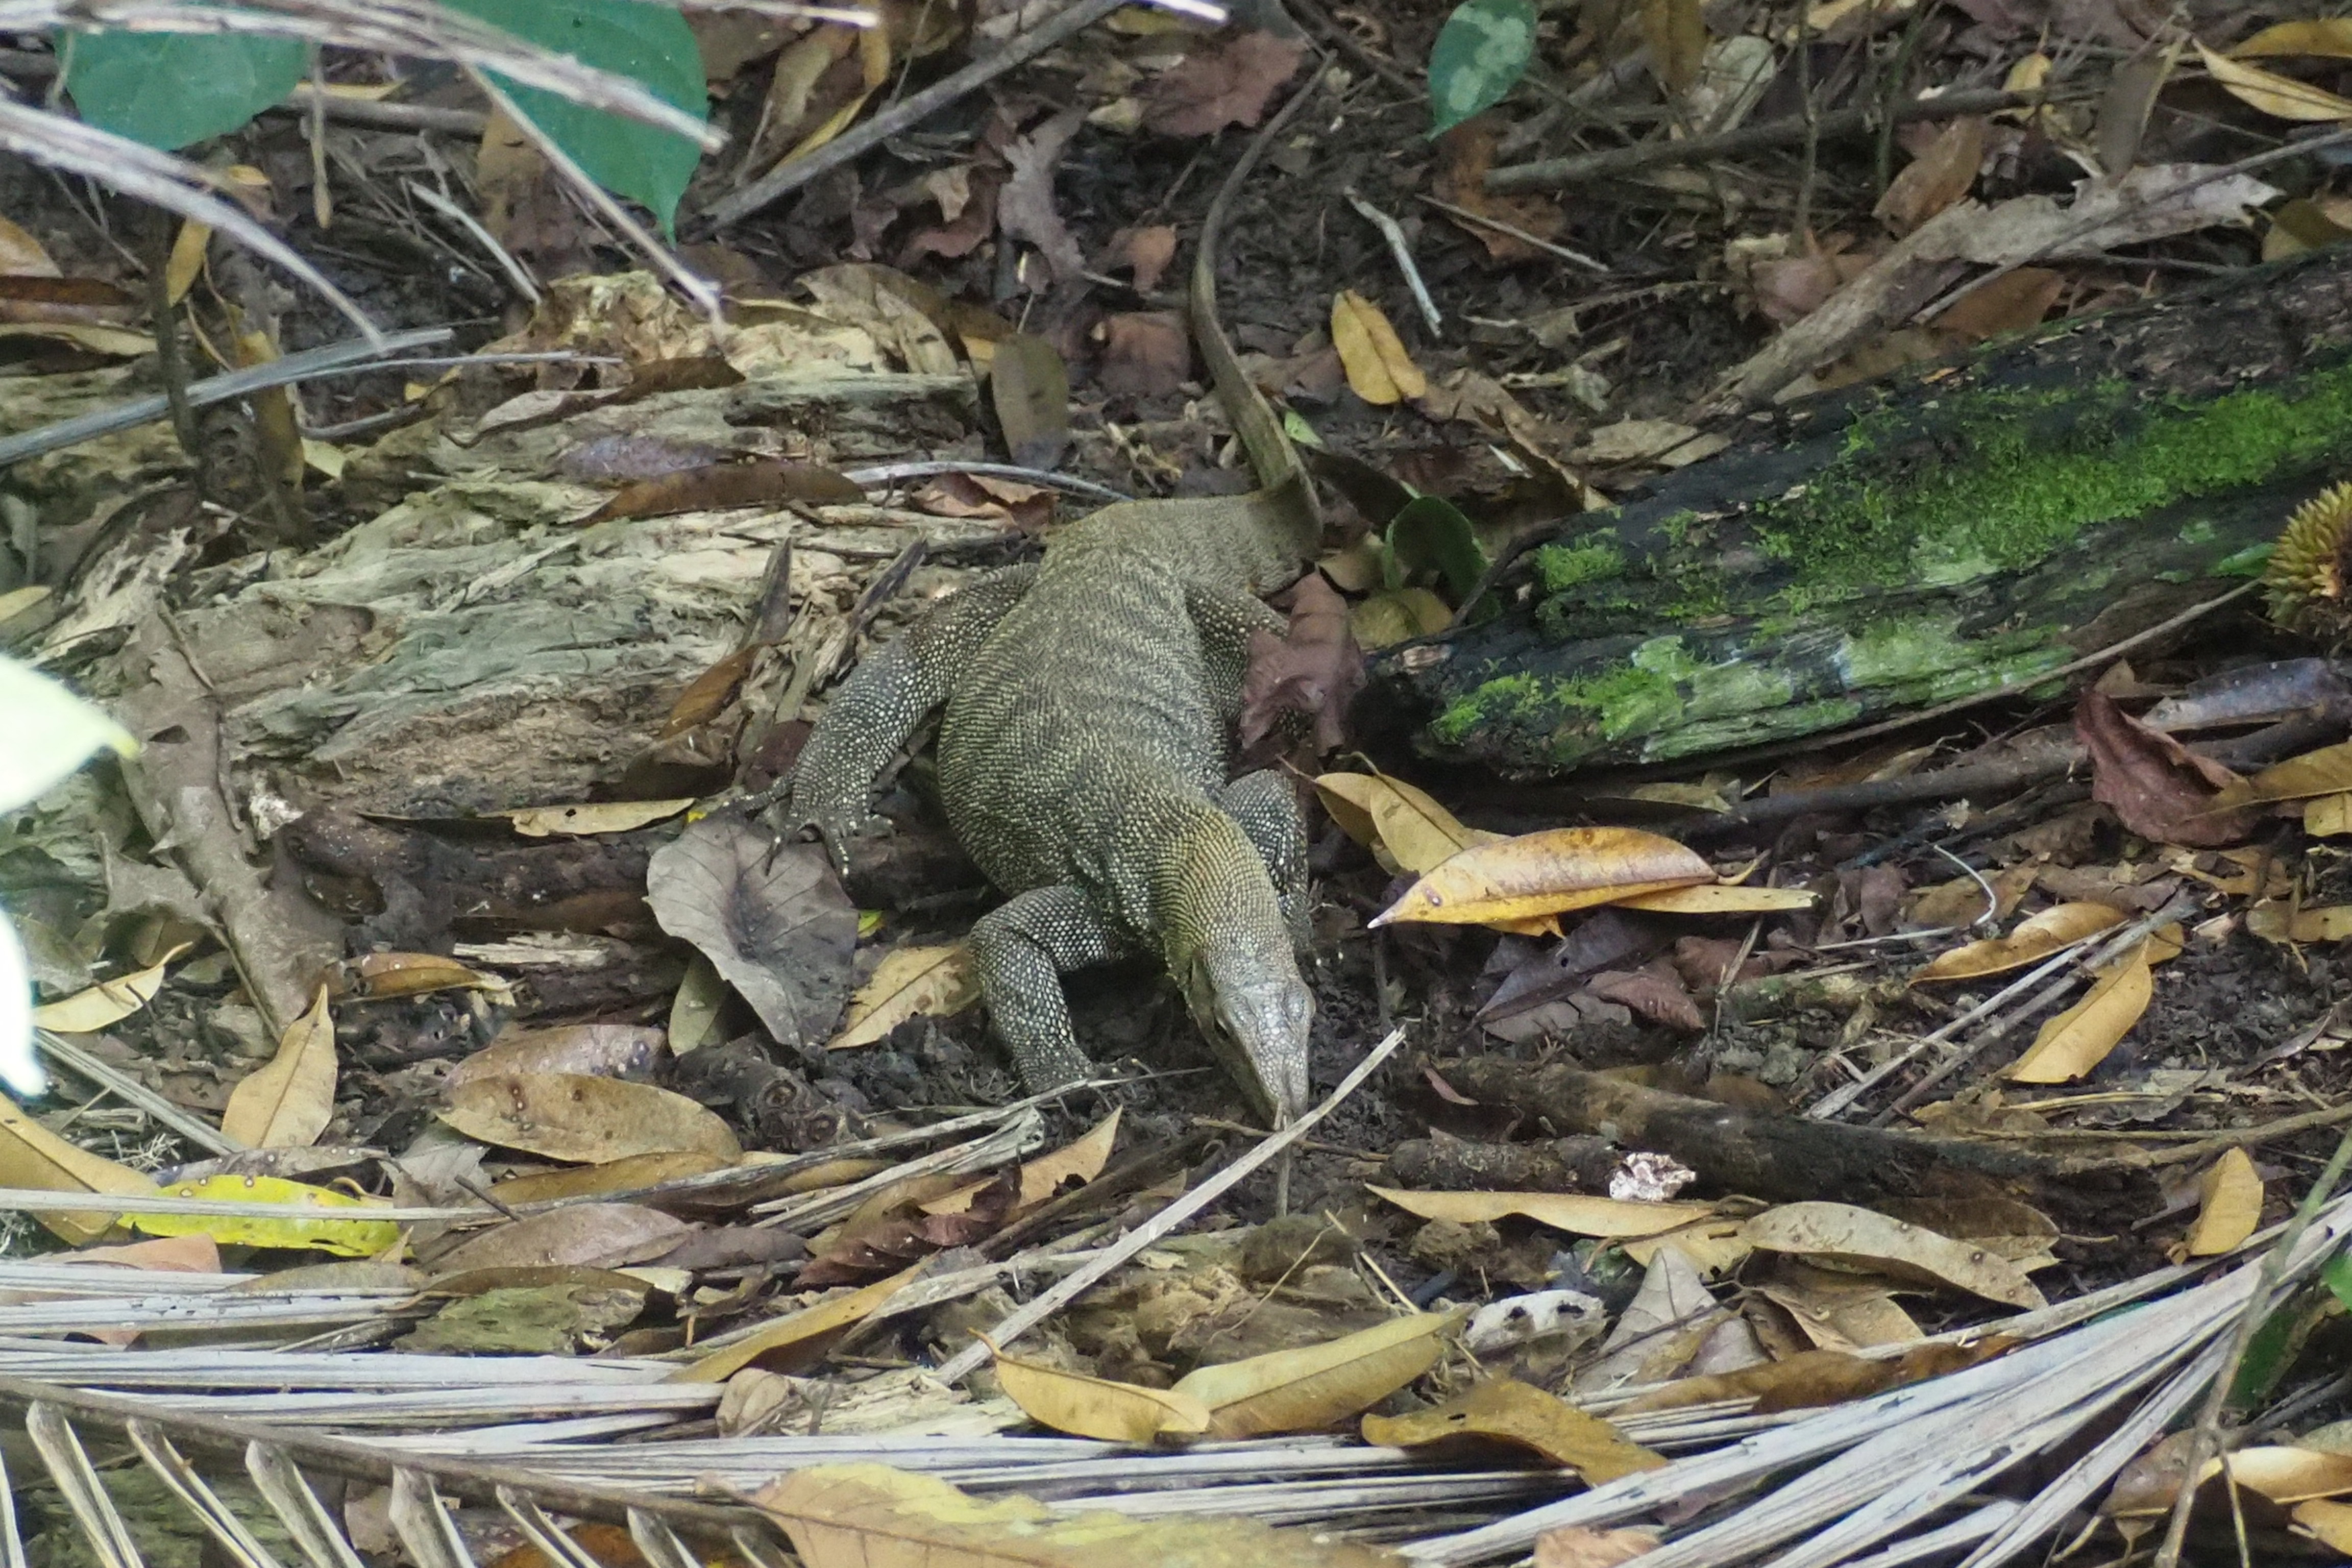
1958,528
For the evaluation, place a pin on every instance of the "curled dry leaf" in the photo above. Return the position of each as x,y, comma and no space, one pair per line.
871,1516
2326,772
2280,97
2079,1040
2229,1207
1505,1411
1314,669
2159,787
572,1116
2036,938
1547,873
1576,1213
774,922
1840,1233
1396,820
798,1339
35,1159
1221,83
1096,1407
287,1103
909,983
1936,178
1079,1160
1378,369
1309,1388
108,1002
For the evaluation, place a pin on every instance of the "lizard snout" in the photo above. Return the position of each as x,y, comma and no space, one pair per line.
1261,1023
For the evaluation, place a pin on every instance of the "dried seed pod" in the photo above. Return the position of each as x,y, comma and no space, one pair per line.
2305,586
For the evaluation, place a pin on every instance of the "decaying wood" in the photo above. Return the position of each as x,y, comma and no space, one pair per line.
1953,530
1785,1159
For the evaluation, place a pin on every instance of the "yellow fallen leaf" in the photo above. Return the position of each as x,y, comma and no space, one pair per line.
343,1229
2285,1474
2037,937
2079,1040
2280,97
1504,1410
2328,816
2327,771
623,1176
1718,899
871,1516
1080,1160
1712,1246
1811,1378
1579,1213
1842,1235
2273,920
2327,35
1547,873
576,1117
36,1159
2229,1207
597,816
187,259
1372,353
797,1341
909,983
108,1002
1385,814
287,1103
2329,1523
1096,1407
1311,1386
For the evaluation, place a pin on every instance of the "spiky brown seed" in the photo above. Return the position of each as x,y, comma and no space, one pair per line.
2311,563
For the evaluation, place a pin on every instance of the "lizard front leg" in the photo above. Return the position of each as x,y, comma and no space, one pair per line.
889,695
1020,951
1224,616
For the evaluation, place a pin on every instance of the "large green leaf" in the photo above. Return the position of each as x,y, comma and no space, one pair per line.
649,42
1479,56
167,90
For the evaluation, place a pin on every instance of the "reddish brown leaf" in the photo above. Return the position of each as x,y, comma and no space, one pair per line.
722,485
707,693
1145,251
861,1251
1936,178
1316,669
1654,990
1464,155
2003,302
1145,353
963,233
2157,788
1221,84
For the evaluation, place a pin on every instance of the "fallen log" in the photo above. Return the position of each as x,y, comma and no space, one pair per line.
1953,530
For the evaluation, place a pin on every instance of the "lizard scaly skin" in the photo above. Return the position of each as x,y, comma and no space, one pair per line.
1082,756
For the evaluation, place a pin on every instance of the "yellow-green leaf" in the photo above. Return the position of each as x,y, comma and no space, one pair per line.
346,1234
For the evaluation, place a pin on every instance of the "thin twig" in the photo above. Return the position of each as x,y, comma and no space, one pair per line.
788,177
130,1091
1020,1321
517,273
1402,253
1576,256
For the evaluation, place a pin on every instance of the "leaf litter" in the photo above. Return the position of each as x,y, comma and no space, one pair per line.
1753,988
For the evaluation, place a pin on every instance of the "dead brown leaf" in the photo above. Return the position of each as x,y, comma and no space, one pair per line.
1145,353
1221,83
1145,252
1464,155
720,486
1315,668
2157,787
1026,209
1936,178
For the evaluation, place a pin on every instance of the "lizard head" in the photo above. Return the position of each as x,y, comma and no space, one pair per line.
1253,1010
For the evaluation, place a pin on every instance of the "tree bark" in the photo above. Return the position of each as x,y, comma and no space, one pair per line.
1955,530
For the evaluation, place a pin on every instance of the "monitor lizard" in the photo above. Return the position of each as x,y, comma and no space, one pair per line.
1088,700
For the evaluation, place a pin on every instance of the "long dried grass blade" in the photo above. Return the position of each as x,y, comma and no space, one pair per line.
176,1472
12,1540
659,1543
424,1524
298,1508
61,1451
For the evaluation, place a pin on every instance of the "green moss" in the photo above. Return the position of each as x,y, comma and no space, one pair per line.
1566,566
1674,528
2015,473
2200,531
1500,701
2250,561
1755,729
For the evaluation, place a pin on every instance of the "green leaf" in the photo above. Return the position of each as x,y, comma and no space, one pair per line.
649,42
1430,535
2337,1274
50,733
1479,56
167,90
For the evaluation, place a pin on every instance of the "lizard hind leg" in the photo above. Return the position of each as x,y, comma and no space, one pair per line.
1264,806
1020,951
